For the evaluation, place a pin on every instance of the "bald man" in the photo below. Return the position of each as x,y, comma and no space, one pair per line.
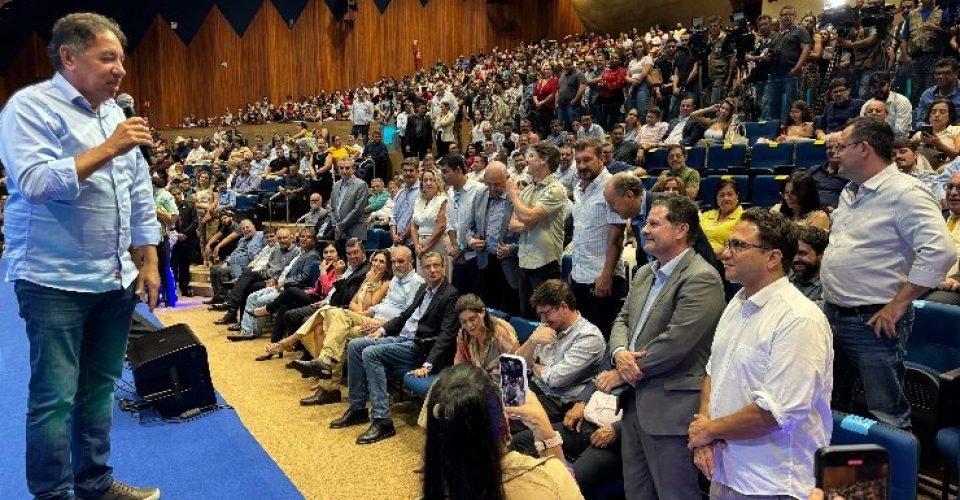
495,244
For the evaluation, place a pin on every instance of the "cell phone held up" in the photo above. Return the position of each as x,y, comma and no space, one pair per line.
513,380
853,471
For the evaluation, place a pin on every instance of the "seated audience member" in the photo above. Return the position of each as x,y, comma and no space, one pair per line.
798,127
254,278
296,274
378,196
477,165
840,110
422,339
945,73
801,203
684,130
827,176
316,212
466,403
382,217
908,160
591,432
624,150
653,130
668,185
660,343
223,241
805,271
677,161
371,292
897,110
245,241
341,325
293,189
613,165
245,181
589,129
718,223
767,390
631,126
949,291
943,145
720,129
340,294
564,352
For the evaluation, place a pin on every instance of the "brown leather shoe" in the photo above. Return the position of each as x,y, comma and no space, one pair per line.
321,397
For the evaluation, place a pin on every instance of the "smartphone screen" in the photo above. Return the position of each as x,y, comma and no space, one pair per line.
926,129
858,471
513,380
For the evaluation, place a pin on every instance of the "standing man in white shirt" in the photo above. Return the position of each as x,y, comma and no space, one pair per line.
765,404
361,115
597,274
889,245
460,218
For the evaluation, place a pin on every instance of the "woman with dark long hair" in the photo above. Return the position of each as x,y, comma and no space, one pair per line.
466,455
801,202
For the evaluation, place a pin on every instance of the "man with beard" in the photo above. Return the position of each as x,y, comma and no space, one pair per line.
806,264
899,109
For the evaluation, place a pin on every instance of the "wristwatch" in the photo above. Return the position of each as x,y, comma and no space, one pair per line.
546,444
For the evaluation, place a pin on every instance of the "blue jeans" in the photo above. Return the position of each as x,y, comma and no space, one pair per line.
878,361
367,370
250,324
639,102
567,113
780,92
77,345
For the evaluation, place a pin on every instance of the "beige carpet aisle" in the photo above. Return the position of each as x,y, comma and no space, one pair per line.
323,463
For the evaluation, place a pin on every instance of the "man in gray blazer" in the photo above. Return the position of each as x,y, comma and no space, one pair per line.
495,245
347,201
660,344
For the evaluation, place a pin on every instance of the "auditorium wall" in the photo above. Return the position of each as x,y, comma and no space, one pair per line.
615,16
219,69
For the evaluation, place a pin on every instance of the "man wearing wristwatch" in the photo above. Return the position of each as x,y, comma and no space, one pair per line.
424,333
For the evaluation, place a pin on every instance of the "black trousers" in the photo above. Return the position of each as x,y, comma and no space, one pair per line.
248,282
466,277
180,258
288,322
495,290
290,298
600,311
530,279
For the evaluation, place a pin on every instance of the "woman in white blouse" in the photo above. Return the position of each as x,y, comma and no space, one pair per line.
429,224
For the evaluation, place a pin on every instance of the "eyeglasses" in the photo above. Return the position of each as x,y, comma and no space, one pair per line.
546,312
950,187
847,145
737,246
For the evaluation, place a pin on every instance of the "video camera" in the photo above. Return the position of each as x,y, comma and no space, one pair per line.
846,17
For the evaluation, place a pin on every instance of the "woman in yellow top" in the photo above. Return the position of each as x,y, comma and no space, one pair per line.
801,202
718,223
337,151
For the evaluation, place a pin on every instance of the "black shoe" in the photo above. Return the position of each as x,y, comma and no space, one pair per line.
351,417
380,429
290,364
213,300
228,319
221,306
316,368
233,328
241,337
321,397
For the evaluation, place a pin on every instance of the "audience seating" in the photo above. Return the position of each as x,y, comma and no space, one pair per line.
766,190
903,447
378,239
498,313
809,154
246,205
649,181
269,185
655,158
948,443
721,157
708,189
696,157
524,328
765,129
771,156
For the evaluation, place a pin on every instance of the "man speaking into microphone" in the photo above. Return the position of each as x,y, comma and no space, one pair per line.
81,234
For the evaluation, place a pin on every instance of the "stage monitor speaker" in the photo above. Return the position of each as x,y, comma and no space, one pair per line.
170,371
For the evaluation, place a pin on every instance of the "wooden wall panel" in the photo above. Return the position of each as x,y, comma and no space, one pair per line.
317,54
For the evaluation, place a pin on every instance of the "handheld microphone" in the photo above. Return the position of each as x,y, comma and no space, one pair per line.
125,101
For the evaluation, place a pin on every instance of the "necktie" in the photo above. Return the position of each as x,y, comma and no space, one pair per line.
952,222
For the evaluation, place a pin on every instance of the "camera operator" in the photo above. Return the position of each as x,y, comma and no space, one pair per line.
719,60
924,35
792,49
900,72
867,55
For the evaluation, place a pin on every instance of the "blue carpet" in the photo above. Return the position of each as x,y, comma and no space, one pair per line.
211,457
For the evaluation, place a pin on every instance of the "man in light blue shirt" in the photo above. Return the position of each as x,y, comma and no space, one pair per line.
81,229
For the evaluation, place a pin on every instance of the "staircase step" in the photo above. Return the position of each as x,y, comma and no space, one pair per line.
201,289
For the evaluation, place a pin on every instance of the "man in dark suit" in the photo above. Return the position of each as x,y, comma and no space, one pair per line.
495,244
684,130
402,343
660,344
347,201
419,133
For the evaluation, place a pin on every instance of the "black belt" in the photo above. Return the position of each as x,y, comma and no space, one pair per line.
870,309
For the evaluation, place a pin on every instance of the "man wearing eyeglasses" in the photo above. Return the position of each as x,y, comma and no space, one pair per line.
766,395
889,245
660,343
949,290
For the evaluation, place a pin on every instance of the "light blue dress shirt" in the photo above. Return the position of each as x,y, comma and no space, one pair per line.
60,232
660,276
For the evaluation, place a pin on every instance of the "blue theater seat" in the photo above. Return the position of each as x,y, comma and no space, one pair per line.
762,129
524,328
903,447
721,157
809,154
